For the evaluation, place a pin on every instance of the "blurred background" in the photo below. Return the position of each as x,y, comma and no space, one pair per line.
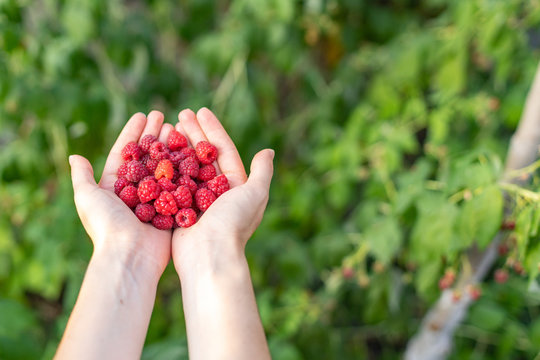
387,116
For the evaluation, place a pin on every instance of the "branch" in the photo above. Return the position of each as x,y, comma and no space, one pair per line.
435,336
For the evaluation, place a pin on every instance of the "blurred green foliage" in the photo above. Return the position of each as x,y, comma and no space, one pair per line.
390,119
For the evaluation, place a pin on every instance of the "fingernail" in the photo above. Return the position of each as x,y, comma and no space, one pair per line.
273,153
70,159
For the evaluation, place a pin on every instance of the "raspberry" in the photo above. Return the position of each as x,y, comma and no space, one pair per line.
131,151
501,275
151,165
122,170
167,184
187,152
146,142
163,222
176,157
158,151
121,183
135,171
207,172
148,190
145,212
164,168
219,185
176,141
202,185
187,181
165,204
190,167
204,198
186,217
183,198
176,176
206,152
129,196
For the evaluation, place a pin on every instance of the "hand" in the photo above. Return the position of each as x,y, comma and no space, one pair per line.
114,229
227,225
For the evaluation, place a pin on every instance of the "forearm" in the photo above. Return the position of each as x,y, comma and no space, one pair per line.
111,316
221,313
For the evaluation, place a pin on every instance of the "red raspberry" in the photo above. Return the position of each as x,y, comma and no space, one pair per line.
159,151
165,204
163,222
176,141
183,198
151,165
206,152
167,184
145,212
135,171
129,196
187,181
190,167
164,169
187,152
149,177
207,172
122,170
501,275
148,190
121,183
204,198
219,185
202,185
131,151
176,157
474,292
176,175
186,217
146,142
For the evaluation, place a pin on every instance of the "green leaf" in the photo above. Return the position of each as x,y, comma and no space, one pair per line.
384,237
487,316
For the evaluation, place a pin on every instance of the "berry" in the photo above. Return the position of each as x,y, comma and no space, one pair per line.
122,170
176,141
187,181
204,198
347,272
135,171
456,296
148,190
151,165
508,225
146,142
207,172
167,184
187,152
501,275
444,283
145,212
165,204
206,152
474,292
176,157
158,151
186,217
176,175
190,167
164,169
121,183
129,196
202,185
518,268
183,197
219,185
163,222
131,151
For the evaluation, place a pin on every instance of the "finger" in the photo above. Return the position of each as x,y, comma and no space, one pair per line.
228,160
131,132
82,174
153,124
190,125
262,169
165,131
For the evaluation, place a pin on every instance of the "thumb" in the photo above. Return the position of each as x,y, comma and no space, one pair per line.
261,170
82,173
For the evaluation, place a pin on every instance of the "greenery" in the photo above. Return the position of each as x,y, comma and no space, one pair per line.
390,119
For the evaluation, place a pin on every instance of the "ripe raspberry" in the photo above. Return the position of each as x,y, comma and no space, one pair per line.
163,222
135,171
186,217
149,177
165,204
187,181
474,292
131,151
176,175
183,197
206,152
129,196
219,185
122,170
501,275
159,151
145,212
148,190
176,157
347,272
202,185
176,141
151,165
187,152
121,183
204,198
146,142
167,184
207,172
190,167
164,169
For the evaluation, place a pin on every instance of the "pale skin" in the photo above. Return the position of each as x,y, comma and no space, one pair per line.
111,316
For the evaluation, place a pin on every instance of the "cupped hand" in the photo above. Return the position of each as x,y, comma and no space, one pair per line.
230,221
113,227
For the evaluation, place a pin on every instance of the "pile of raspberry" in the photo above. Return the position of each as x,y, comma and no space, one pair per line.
169,185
